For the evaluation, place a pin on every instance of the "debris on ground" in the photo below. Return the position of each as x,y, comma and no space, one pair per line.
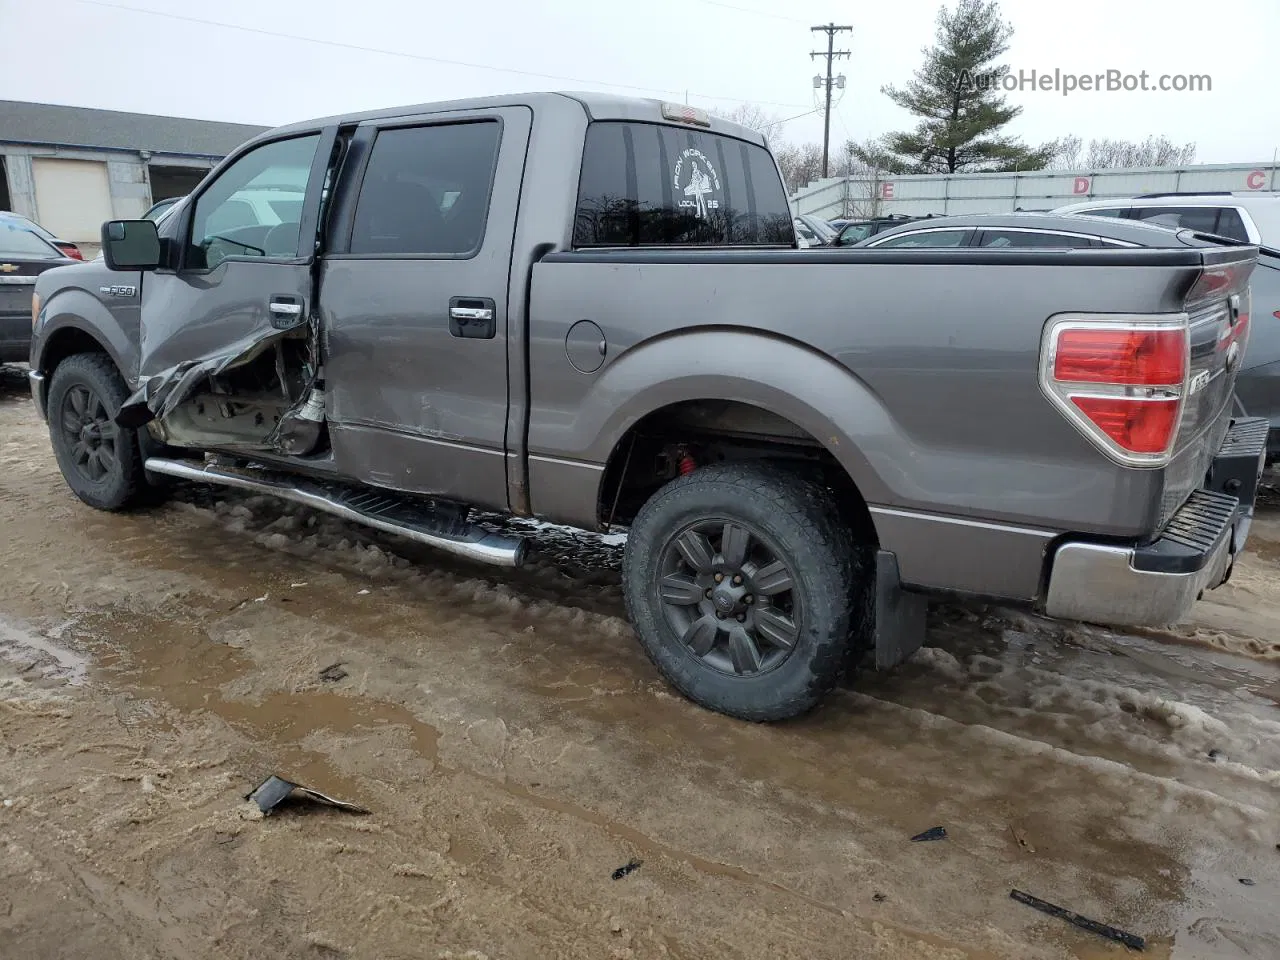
933,833
1020,835
880,897
274,790
1131,940
629,867
334,672
1247,882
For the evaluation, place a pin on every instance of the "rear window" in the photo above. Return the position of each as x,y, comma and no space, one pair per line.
645,184
18,242
1223,221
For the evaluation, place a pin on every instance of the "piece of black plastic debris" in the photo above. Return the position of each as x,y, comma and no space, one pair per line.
1247,882
880,897
933,833
274,790
333,673
1215,754
1131,940
629,867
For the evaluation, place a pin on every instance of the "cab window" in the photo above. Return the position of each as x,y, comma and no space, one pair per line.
648,184
254,207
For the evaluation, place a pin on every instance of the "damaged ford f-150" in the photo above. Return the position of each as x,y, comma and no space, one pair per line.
592,310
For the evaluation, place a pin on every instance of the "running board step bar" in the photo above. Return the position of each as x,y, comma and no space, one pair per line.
444,528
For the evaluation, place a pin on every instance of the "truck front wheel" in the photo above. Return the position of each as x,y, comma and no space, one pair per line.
99,459
747,590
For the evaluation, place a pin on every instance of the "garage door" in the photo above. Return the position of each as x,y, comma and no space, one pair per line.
73,198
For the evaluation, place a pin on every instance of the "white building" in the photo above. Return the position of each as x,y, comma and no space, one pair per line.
71,168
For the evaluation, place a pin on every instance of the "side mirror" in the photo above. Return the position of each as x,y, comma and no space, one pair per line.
131,245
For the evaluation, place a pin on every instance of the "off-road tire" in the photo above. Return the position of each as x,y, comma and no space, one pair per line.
124,482
833,575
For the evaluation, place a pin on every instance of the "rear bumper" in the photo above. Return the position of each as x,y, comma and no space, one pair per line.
1155,583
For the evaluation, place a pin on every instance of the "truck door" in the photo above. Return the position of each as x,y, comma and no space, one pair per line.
413,302
243,276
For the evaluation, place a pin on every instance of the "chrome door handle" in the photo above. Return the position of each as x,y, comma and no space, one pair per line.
470,313
284,313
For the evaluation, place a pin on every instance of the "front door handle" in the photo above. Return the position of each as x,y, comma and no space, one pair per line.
285,312
473,318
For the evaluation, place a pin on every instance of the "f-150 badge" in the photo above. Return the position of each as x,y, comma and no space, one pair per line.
696,180
119,291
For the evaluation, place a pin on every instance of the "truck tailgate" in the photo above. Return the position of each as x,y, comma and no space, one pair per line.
1218,308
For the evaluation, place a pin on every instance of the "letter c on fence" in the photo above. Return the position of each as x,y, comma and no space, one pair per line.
1256,180
1081,185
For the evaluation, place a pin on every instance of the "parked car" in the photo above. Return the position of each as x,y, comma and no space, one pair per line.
1248,217
15,221
856,231
1025,230
584,308
813,231
1258,387
23,257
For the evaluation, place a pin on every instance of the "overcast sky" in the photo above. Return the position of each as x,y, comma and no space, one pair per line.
96,53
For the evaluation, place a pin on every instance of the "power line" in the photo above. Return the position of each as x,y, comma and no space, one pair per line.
343,45
831,54
758,13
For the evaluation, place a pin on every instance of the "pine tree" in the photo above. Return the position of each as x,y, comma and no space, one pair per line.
956,93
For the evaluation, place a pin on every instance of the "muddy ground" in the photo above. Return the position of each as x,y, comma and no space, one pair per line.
515,748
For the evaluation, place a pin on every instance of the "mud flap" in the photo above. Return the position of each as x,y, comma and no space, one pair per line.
900,616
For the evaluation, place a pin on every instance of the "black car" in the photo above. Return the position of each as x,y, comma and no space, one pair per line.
23,257
855,231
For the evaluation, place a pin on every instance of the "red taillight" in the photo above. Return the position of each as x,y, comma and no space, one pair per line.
70,250
1276,314
1139,357
1140,426
1121,381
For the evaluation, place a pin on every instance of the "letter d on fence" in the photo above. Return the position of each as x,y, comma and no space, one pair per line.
1081,185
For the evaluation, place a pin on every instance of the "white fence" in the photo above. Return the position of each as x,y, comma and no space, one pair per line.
841,197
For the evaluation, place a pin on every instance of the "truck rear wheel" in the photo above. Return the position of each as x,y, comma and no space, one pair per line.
747,591
99,459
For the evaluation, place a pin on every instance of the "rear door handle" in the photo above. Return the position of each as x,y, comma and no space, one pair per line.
285,312
473,318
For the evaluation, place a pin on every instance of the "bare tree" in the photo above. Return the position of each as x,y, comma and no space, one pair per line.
863,182
800,164
756,118
1111,154
1152,152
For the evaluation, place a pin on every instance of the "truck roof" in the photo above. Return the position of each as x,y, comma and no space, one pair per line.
597,106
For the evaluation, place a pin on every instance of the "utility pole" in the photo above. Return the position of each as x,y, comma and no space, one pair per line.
831,54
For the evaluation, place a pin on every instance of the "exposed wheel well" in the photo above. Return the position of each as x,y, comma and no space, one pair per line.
66,343
693,433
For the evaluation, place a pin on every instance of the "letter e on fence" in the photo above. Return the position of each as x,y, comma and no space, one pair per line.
1256,180
1081,185
886,190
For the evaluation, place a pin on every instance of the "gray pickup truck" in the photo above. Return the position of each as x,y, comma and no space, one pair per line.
593,310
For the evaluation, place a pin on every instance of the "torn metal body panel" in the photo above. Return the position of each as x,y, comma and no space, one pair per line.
197,328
